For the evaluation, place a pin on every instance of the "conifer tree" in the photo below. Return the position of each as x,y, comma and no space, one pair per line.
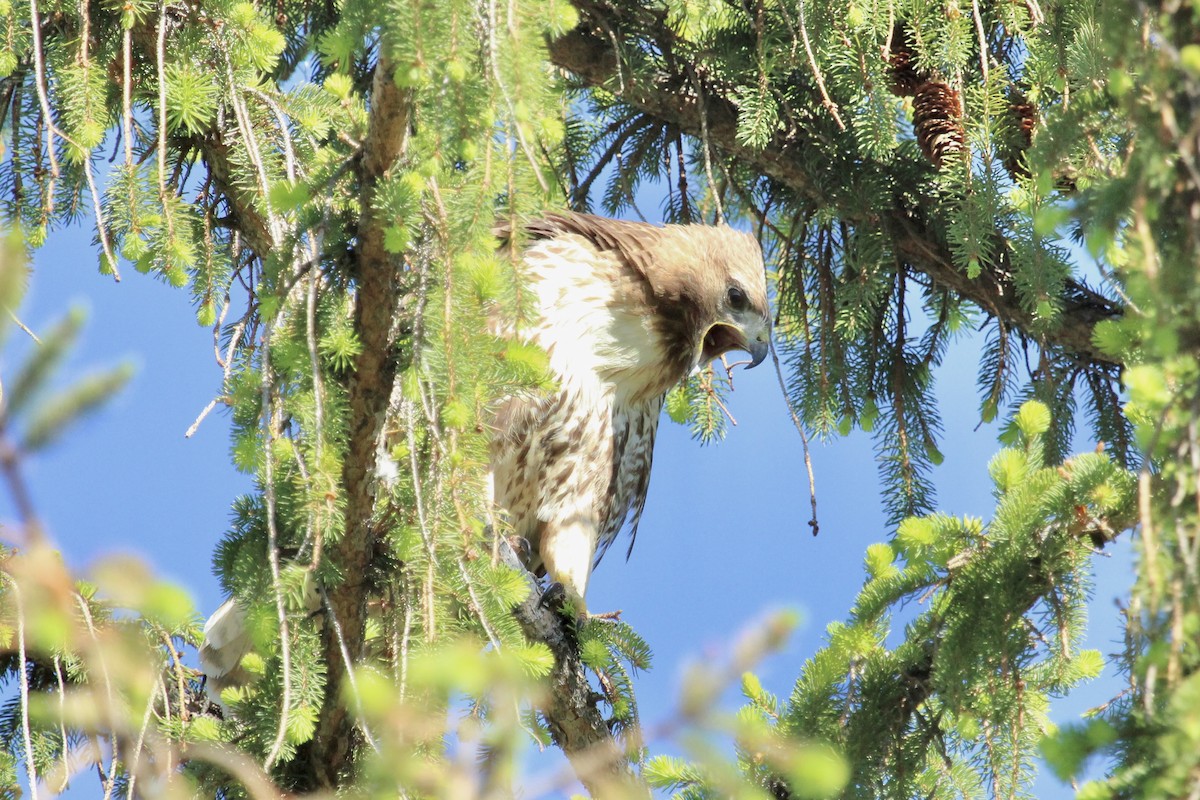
324,180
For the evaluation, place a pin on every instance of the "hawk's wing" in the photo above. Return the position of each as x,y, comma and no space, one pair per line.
634,429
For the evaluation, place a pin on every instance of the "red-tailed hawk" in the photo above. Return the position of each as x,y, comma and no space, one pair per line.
625,310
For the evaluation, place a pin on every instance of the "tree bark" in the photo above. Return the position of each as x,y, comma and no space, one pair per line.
569,705
377,312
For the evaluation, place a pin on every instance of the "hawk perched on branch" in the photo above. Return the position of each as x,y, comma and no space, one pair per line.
625,310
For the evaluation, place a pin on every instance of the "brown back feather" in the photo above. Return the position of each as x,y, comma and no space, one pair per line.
632,241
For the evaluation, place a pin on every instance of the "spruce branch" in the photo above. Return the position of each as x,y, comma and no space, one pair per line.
378,309
588,53
569,707
904,691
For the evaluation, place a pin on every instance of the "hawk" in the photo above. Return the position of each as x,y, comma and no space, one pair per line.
625,311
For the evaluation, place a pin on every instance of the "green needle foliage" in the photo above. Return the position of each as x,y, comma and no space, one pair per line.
325,180
950,701
33,413
957,707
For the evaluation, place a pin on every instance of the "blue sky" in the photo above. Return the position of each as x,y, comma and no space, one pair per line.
723,539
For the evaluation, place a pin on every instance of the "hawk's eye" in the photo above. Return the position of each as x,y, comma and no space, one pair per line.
737,299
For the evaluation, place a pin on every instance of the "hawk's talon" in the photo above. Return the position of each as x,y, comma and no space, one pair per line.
554,597
560,601
521,547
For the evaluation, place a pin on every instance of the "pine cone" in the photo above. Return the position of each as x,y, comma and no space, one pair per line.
936,121
1025,113
905,78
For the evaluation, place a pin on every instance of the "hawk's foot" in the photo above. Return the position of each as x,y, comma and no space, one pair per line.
570,608
521,547
554,597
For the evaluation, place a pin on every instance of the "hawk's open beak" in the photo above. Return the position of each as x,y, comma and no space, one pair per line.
723,337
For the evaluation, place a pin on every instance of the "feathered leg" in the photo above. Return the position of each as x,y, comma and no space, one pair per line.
567,549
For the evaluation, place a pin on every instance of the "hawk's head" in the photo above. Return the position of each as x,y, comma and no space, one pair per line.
703,286
712,291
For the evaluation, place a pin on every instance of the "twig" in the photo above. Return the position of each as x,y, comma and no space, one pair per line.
829,105
494,62
710,390
310,515
85,34
179,678
477,605
220,323
1036,17
141,739
1095,711
268,412
108,692
62,714
250,140
52,130
632,126
101,227
160,56
281,118
337,631
169,766
257,784
426,537
405,643
1146,514
23,327
812,483
127,95
39,69
983,67
23,678
226,365
22,499
318,384
704,141
195,425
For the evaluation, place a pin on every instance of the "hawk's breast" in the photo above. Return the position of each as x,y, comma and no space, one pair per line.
582,454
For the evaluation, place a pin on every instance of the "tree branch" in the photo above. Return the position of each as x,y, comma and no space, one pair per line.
247,220
589,52
377,310
897,696
569,707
